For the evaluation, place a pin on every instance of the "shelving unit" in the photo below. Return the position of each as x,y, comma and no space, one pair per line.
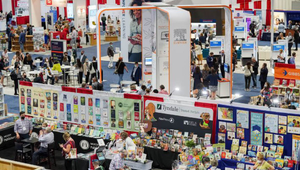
28,46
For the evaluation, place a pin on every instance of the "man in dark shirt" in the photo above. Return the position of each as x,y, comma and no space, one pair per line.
22,40
210,59
296,39
255,72
8,30
222,62
11,35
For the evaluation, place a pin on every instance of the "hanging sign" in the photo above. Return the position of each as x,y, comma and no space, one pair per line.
57,3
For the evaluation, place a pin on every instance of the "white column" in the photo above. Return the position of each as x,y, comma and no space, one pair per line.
61,11
79,7
6,6
272,22
35,13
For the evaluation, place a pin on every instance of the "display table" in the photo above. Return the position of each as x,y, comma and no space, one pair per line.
230,163
161,159
111,38
93,38
7,137
84,144
223,88
22,20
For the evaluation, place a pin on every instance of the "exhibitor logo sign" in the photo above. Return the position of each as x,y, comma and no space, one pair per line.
171,120
190,123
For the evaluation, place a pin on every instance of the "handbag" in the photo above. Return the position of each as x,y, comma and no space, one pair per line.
116,70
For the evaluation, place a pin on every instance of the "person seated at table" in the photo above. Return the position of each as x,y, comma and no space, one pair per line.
214,165
117,162
49,75
56,67
24,77
96,165
29,61
46,137
261,163
66,148
280,37
280,57
128,142
23,127
39,79
142,91
205,163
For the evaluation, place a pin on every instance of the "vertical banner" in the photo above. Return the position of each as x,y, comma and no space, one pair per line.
296,147
125,114
85,106
101,109
257,128
131,32
38,37
25,98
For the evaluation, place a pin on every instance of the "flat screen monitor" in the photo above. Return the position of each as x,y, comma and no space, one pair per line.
148,61
226,68
278,47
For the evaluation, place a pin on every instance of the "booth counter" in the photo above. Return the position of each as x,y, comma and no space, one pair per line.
93,38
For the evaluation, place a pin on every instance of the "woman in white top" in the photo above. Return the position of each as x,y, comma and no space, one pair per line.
248,73
280,57
127,142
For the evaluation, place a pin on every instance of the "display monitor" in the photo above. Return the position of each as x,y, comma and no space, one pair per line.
215,43
247,46
226,68
278,47
148,61
239,29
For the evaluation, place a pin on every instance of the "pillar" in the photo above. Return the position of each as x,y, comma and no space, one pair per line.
35,13
79,7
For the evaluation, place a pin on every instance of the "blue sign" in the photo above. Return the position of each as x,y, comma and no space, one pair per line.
239,29
208,21
278,47
247,46
215,43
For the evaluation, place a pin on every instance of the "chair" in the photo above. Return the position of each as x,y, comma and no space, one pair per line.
72,74
21,152
50,153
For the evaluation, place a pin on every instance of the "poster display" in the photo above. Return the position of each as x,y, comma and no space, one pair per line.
225,114
25,99
125,114
183,118
294,124
256,128
38,37
295,146
242,119
101,110
65,113
271,123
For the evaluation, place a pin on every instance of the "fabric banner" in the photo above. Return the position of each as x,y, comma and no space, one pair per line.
57,3
287,73
296,147
125,114
183,118
257,128
101,110
25,99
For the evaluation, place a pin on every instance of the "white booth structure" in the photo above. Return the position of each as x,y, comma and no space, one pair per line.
165,49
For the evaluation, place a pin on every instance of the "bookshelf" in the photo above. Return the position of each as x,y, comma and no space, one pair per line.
28,46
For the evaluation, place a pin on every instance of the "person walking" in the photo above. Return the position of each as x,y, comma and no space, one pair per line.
291,60
10,37
255,72
263,75
290,43
296,39
66,149
94,68
136,74
210,59
205,74
248,72
111,54
22,40
103,19
198,79
213,83
86,70
80,67
120,66
222,63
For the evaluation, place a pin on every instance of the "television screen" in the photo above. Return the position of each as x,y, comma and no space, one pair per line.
148,61
226,68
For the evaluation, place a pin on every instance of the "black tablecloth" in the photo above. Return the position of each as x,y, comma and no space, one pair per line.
161,159
7,137
81,164
84,144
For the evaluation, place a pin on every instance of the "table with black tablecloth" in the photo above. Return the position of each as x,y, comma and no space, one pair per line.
230,163
7,137
84,144
161,159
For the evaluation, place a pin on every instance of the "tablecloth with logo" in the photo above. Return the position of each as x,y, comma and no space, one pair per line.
7,137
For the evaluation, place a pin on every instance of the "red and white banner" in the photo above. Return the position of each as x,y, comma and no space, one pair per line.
57,3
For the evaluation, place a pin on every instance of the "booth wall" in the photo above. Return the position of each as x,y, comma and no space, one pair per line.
6,6
205,14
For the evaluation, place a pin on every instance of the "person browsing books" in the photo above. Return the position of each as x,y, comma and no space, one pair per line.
117,162
23,127
66,148
261,164
127,142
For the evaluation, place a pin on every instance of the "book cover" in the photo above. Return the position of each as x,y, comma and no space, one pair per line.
279,162
244,143
243,150
280,149
223,155
228,155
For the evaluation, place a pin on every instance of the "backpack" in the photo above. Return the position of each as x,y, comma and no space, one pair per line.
13,75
